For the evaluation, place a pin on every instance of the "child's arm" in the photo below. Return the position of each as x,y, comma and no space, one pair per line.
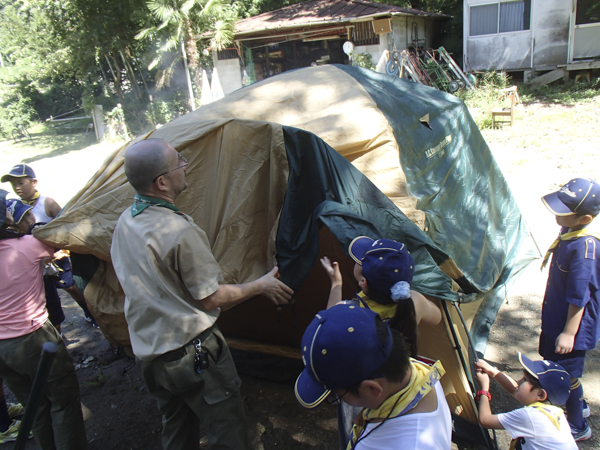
507,383
52,207
486,418
333,270
425,310
566,340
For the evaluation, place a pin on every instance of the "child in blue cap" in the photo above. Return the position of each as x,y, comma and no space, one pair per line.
541,424
384,270
352,356
570,324
44,209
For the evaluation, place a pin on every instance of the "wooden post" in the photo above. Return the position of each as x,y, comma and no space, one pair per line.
98,119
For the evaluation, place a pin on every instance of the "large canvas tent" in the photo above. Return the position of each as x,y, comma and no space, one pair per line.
268,194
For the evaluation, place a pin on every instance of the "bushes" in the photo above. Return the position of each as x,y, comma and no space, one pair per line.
16,109
485,96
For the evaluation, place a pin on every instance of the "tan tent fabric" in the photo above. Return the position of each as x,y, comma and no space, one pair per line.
335,107
237,170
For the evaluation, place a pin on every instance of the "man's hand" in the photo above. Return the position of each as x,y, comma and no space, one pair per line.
273,289
564,343
483,380
333,270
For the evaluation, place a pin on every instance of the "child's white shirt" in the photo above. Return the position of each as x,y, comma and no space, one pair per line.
537,430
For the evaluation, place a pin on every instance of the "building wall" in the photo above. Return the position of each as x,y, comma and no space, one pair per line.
544,45
550,20
403,34
229,74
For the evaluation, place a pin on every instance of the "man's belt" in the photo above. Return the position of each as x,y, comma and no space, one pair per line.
178,353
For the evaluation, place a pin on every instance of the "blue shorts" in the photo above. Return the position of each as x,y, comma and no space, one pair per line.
65,275
572,362
56,314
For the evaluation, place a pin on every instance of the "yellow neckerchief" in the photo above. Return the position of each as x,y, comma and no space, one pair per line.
386,312
570,235
33,199
422,380
553,414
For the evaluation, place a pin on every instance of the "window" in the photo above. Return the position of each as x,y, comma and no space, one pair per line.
588,11
500,17
229,53
364,34
484,20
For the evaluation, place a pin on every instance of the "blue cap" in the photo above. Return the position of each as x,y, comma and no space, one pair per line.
384,262
555,380
17,209
340,348
581,196
19,171
3,195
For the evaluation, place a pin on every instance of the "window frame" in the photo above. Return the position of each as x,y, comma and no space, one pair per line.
498,32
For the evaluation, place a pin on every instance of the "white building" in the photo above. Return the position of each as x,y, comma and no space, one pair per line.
531,35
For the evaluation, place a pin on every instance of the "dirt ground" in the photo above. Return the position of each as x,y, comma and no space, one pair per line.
120,414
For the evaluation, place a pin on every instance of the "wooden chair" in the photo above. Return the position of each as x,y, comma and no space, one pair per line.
512,96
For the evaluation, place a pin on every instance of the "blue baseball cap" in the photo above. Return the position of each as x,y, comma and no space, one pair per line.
555,380
340,348
19,171
385,262
580,195
17,209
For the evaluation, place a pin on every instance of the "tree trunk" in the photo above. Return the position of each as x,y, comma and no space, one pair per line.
134,84
192,53
187,76
115,77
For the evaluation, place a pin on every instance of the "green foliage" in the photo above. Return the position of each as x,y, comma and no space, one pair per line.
485,96
362,60
16,110
165,109
560,93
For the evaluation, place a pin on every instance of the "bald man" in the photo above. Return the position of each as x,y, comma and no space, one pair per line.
173,297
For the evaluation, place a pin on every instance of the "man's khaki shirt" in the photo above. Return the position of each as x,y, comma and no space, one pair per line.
164,263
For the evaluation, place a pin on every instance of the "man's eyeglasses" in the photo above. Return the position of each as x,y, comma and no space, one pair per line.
181,158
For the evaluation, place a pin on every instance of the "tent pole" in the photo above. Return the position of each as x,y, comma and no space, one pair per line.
462,319
458,349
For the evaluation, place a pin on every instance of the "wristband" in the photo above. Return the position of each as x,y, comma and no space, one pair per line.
486,393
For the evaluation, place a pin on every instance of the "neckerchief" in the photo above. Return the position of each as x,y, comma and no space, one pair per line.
422,380
553,414
141,202
386,312
569,236
33,199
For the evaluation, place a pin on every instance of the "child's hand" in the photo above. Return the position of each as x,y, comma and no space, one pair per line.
485,367
564,343
332,269
483,380
61,254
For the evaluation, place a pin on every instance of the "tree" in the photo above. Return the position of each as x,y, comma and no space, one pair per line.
179,23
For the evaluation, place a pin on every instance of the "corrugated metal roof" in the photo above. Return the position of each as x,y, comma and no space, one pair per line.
315,12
